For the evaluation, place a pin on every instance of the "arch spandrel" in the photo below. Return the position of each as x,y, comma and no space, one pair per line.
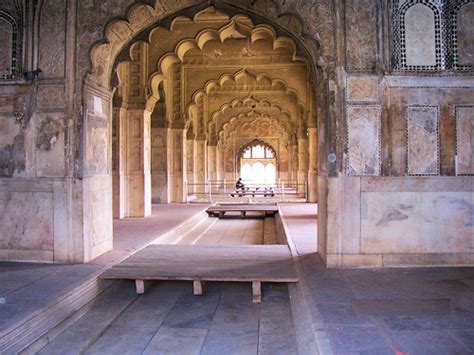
229,87
119,33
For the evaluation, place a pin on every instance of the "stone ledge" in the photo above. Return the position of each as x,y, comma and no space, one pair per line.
361,261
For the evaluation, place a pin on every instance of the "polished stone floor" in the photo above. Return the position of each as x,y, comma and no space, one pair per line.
391,311
168,319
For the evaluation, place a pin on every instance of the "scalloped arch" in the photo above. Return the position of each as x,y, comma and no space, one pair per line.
250,103
142,17
242,121
250,80
233,29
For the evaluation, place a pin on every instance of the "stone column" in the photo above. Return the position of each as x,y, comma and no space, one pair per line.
313,164
302,163
190,164
119,161
220,173
294,163
212,162
199,164
176,147
138,163
159,165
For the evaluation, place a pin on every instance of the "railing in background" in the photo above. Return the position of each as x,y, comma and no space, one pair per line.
215,188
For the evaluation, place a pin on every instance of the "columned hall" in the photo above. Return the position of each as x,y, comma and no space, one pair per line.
237,176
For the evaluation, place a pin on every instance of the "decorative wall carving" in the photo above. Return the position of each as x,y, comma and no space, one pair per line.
363,140
10,49
436,39
463,33
51,96
361,36
362,89
52,37
97,136
48,133
423,137
465,140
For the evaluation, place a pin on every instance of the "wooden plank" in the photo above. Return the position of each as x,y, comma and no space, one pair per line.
238,208
198,287
272,263
140,286
256,292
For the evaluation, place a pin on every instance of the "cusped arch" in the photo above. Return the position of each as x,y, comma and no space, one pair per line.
242,122
248,81
254,143
234,29
247,107
142,18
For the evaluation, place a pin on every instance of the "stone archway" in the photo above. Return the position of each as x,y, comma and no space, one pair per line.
121,42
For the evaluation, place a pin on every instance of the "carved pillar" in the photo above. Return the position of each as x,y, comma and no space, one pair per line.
294,163
220,173
302,163
199,161
159,166
176,148
138,163
212,162
119,161
313,164
190,163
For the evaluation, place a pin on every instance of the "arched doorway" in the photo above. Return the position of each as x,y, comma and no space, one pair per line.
258,163
207,154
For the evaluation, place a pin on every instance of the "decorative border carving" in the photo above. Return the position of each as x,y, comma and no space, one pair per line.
399,36
457,133
15,69
379,141
438,158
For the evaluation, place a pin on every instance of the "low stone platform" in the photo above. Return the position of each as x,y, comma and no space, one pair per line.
35,298
243,209
198,263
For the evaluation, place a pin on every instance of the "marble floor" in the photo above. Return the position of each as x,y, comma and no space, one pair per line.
168,319
390,311
27,288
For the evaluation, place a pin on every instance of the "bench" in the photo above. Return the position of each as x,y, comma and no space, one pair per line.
221,210
201,263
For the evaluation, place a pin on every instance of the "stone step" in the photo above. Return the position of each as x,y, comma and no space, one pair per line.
173,236
102,312
32,331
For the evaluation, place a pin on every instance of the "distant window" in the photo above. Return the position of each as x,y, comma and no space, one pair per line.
9,46
258,152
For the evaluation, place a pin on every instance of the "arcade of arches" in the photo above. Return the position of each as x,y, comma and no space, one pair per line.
137,99
215,85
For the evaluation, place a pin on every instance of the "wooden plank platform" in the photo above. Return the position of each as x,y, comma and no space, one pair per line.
198,263
220,210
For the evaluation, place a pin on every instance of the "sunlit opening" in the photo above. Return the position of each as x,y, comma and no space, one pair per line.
258,165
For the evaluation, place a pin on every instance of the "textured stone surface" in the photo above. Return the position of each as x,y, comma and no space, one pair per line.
362,89
465,139
465,27
361,36
363,126
52,39
385,218
423,141
6,48
51,96
26,220
420,36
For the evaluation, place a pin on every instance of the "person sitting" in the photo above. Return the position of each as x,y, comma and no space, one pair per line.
239,185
